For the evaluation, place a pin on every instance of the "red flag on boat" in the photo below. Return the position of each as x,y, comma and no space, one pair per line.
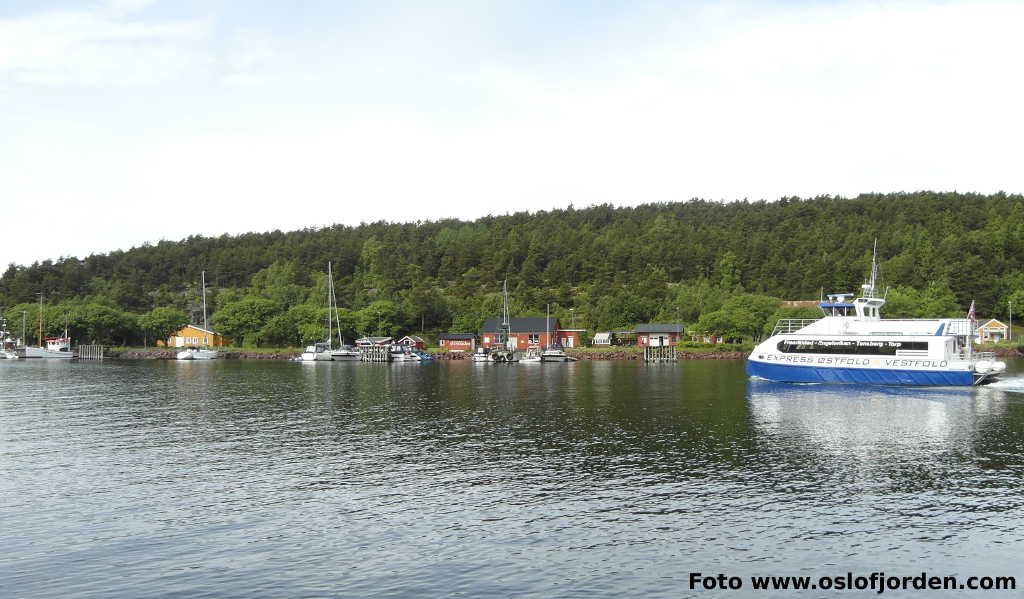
970,312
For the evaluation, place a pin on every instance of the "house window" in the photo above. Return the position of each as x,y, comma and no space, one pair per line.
487,339
534,338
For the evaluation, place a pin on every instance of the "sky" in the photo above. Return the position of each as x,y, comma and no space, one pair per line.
125,122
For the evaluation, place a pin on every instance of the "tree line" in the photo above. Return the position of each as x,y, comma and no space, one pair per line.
720,268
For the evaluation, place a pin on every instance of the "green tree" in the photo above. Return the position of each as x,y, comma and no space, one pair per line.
242,320
381,318
744,315
161,322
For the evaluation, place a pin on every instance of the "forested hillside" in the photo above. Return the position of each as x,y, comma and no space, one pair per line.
697,262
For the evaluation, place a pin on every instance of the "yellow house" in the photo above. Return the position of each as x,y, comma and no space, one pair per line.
192,335
992,331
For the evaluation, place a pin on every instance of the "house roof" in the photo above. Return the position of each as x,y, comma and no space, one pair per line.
413,338
521,325
374,339
456,336
196,327
658,328
993,324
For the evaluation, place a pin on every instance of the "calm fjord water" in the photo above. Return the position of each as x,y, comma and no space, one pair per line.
590,479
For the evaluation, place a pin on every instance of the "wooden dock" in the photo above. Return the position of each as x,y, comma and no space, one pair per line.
666,353
376,353
90,352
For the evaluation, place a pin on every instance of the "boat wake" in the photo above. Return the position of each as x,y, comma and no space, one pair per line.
1013,383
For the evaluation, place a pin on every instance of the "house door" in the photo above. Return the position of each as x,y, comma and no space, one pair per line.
660,341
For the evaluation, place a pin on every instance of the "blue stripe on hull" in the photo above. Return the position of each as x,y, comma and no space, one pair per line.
784,373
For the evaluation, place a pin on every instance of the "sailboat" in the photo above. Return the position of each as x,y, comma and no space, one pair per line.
7,344
200,353
324,352
553,352
56,347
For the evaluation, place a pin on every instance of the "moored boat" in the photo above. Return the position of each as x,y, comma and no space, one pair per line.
555,353
851,343
8,345
200,353
344,353
197,353
318,352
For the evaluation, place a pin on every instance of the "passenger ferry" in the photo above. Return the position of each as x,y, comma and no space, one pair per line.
853,344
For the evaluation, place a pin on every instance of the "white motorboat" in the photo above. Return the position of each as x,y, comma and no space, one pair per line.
555,353
318,352
344,353
853,344
197,353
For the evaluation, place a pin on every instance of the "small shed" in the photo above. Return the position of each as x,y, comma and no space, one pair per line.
457,341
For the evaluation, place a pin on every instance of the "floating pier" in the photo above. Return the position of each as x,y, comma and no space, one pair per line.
665,353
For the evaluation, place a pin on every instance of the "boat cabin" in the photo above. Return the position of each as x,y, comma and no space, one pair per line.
839,304
58,344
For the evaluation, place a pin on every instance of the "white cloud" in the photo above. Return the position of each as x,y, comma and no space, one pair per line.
353,126
97,47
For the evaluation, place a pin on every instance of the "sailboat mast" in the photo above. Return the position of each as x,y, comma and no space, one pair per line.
205,327
40,319
547,324
330,307
506,329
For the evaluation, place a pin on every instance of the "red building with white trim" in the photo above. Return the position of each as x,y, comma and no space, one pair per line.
529,332
457,341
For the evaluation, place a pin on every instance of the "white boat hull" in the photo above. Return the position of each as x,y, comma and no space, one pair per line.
316,357
39,352
197,354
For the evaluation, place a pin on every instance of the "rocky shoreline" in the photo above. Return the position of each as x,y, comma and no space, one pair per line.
169,354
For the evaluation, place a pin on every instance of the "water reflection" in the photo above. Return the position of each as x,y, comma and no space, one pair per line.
603,479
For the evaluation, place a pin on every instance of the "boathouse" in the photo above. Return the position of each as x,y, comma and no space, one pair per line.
528,332
992,331
658,335
412,341
457,341
194,336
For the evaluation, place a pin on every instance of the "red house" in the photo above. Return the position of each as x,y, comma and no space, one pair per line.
525,333
457,341
412,341
658,335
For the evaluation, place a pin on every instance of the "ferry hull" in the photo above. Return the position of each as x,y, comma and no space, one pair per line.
872,376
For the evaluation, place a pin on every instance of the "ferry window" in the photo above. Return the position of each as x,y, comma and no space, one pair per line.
835,346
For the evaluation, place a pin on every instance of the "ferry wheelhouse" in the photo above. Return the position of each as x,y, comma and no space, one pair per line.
853,344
